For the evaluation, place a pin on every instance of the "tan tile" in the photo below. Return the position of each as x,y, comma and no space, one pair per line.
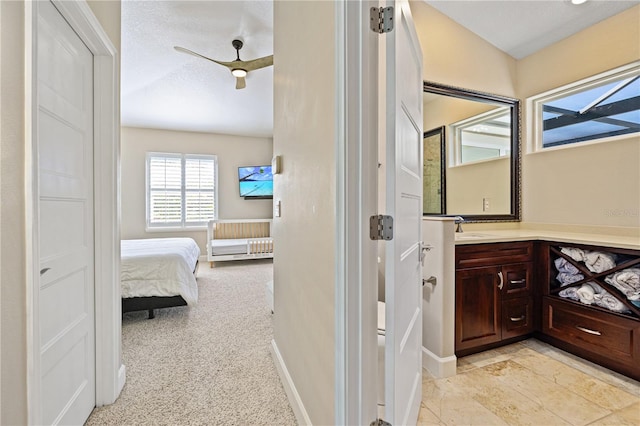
554,397
596,371
505,401
426,417
629,416
484,358
582,384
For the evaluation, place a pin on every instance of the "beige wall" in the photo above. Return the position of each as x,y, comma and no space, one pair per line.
13,355
558,186
13,392
232,152
304,258
455,56
588,184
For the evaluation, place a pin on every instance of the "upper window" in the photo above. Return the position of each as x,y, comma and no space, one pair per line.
482,137
181,190
598,108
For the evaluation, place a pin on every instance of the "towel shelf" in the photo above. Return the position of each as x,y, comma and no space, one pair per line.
591,330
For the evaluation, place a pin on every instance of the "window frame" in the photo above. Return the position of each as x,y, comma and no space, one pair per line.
535,105
174,226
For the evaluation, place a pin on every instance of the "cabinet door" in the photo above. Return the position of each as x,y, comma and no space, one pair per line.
478,307
517,279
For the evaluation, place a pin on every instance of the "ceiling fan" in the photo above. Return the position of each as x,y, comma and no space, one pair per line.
238,67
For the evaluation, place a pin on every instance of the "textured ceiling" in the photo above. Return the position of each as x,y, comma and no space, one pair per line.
165,89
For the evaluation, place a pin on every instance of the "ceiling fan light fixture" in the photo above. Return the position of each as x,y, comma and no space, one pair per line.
239,72
578,1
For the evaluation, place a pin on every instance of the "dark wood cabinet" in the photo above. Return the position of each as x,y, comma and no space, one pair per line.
494,301
609,338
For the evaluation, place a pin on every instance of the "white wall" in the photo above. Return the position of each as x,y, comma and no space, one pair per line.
232,152
13,338
304,251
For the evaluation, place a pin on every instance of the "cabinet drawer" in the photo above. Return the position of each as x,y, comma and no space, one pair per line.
517,279
517,317
471,256
608,335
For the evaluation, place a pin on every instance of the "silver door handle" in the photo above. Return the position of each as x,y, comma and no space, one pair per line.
424,248
522,281
501,280
431,280
43,271
516,319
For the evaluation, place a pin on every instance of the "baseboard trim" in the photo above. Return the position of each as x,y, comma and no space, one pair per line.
289,387
437,366
122,378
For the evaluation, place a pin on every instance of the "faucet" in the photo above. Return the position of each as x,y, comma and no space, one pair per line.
458,220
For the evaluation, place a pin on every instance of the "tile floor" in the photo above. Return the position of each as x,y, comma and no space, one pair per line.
529,383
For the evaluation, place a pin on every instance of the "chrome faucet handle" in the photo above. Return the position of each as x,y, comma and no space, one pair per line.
458,220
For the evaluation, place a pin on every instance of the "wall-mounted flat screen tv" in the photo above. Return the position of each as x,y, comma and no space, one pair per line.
255,181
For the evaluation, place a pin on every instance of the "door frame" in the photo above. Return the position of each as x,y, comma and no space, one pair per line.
356,283
110,372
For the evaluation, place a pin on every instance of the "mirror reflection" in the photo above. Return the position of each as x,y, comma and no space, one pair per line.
480,168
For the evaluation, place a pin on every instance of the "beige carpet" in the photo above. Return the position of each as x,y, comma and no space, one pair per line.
204,365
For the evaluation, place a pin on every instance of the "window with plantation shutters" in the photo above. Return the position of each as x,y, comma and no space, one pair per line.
180,190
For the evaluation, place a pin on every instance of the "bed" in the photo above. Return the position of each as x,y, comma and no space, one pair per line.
158,273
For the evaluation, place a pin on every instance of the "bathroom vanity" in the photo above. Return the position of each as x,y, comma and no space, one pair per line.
494,300
507,288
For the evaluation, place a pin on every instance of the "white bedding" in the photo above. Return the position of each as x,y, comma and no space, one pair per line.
159,267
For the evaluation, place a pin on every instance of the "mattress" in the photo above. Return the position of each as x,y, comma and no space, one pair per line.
228,246
159,267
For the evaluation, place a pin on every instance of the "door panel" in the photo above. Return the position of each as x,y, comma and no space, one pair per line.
477,307
403,272
66,323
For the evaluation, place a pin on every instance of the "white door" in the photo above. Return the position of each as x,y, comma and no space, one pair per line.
403,275
66,324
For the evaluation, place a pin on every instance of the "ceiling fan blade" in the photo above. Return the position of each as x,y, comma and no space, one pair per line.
255,64
240,83
191,52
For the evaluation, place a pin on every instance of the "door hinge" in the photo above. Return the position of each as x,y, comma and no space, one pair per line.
381,227
381,19
379,422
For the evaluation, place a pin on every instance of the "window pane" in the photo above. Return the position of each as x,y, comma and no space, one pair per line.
199,206
165,207
165,172
611,109
181,189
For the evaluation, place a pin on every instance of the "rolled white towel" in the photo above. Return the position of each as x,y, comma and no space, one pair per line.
608,301
569,293
567,278
586,294
574,253
563,265
597,261
627,281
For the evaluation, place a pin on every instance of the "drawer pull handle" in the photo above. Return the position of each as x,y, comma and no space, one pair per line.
516,319
586,330
522,281
501,280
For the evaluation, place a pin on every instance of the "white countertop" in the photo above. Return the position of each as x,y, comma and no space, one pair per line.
506,235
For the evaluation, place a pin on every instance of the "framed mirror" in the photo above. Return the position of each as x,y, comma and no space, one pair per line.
481,154
434,197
